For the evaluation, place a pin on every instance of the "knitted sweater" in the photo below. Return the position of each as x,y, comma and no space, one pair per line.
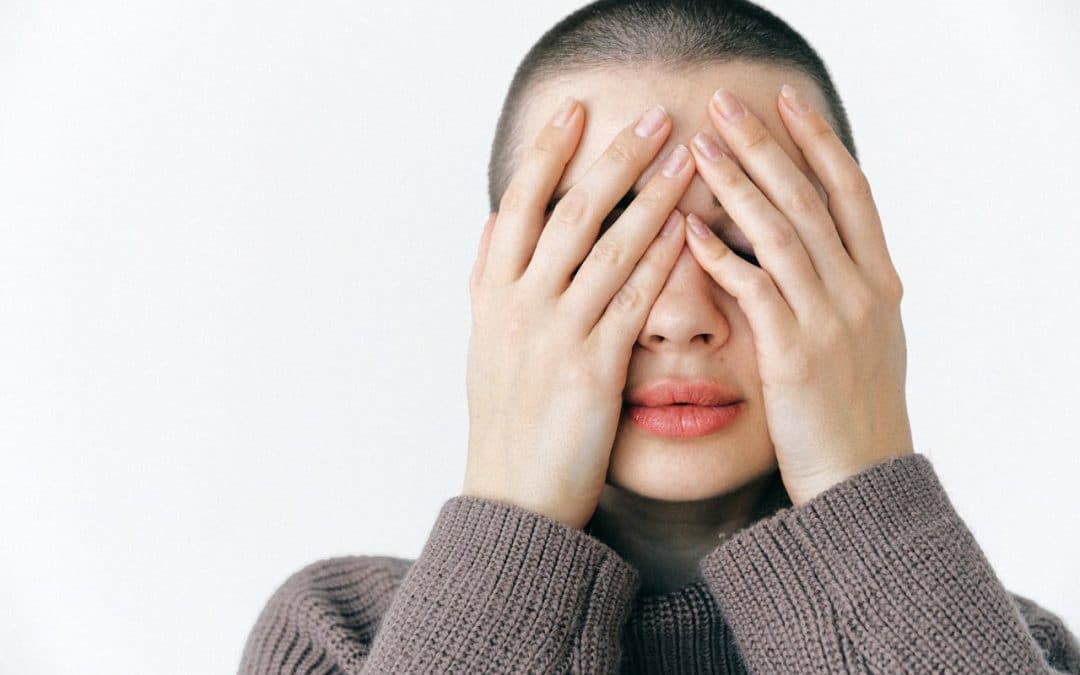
876,574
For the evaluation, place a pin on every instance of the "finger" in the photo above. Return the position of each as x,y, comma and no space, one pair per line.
774,326
523,204
571,231
775,242
618,251
850,200
785,185
625,315
482,252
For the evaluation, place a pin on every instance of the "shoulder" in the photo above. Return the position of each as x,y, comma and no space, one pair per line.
329,610
1058,645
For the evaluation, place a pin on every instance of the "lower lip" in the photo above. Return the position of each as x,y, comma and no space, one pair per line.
684,421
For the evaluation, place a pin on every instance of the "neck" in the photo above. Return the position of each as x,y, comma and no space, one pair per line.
665,540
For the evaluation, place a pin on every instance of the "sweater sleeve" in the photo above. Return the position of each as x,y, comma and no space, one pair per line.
876,574
496,588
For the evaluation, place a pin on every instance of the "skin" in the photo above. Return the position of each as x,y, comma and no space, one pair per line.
691,305
667,501
757,330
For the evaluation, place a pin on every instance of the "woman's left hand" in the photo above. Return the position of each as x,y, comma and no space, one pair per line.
824,306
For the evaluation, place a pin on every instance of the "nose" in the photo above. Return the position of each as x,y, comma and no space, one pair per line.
686,315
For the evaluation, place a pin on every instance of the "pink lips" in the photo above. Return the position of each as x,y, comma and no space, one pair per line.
682,409
683,421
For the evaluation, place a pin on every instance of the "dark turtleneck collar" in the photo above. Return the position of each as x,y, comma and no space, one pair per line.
682,630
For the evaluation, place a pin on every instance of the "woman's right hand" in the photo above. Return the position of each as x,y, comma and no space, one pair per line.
551,335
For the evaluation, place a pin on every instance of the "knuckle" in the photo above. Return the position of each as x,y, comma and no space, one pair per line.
516,318
628,299
582,374
514,199
862,303
894,289
478,282
805,201
821,131
731,181
833,332
855,184
758,283
546,145
482,308
608,253
571,209
756,136
780,238
621,152
651,201
574,373
714,255
516,329
609,348
860,313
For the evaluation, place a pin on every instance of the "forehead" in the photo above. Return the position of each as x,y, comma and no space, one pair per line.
614,97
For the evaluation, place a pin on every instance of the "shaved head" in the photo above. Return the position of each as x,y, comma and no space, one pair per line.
676,35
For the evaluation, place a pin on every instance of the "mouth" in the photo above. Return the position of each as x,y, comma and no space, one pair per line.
681,408
684,420
669,392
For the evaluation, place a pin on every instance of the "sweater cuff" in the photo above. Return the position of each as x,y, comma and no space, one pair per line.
877,572
497,583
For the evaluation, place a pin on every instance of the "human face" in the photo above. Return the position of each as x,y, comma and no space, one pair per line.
695,329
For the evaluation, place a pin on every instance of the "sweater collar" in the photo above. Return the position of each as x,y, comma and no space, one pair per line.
684,630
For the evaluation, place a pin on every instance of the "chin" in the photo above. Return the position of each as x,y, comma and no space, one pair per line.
686,470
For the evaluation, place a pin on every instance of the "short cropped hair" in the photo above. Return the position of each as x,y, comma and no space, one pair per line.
672,33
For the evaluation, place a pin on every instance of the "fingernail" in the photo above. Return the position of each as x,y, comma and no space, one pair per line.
697,226
651,122
795,103
706,142
728,105
675,161
670,224
566,110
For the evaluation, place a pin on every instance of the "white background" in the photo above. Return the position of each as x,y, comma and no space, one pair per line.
234,248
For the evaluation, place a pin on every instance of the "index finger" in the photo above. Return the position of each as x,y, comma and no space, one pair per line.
851,202
521,208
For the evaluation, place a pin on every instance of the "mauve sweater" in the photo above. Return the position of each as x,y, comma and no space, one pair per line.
876,574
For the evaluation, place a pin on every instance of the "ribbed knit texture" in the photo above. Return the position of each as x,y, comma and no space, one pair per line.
877,574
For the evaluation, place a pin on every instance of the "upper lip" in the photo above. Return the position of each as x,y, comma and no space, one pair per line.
670,391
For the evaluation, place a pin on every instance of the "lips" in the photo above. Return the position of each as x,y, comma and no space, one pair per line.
690,392
683,408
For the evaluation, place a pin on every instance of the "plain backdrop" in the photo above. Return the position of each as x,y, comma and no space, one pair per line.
234,248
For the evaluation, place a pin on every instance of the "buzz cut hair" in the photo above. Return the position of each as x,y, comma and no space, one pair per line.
671,33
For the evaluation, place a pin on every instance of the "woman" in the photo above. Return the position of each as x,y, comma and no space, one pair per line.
679,460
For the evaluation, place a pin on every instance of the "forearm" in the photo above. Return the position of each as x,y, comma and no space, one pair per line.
878,573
